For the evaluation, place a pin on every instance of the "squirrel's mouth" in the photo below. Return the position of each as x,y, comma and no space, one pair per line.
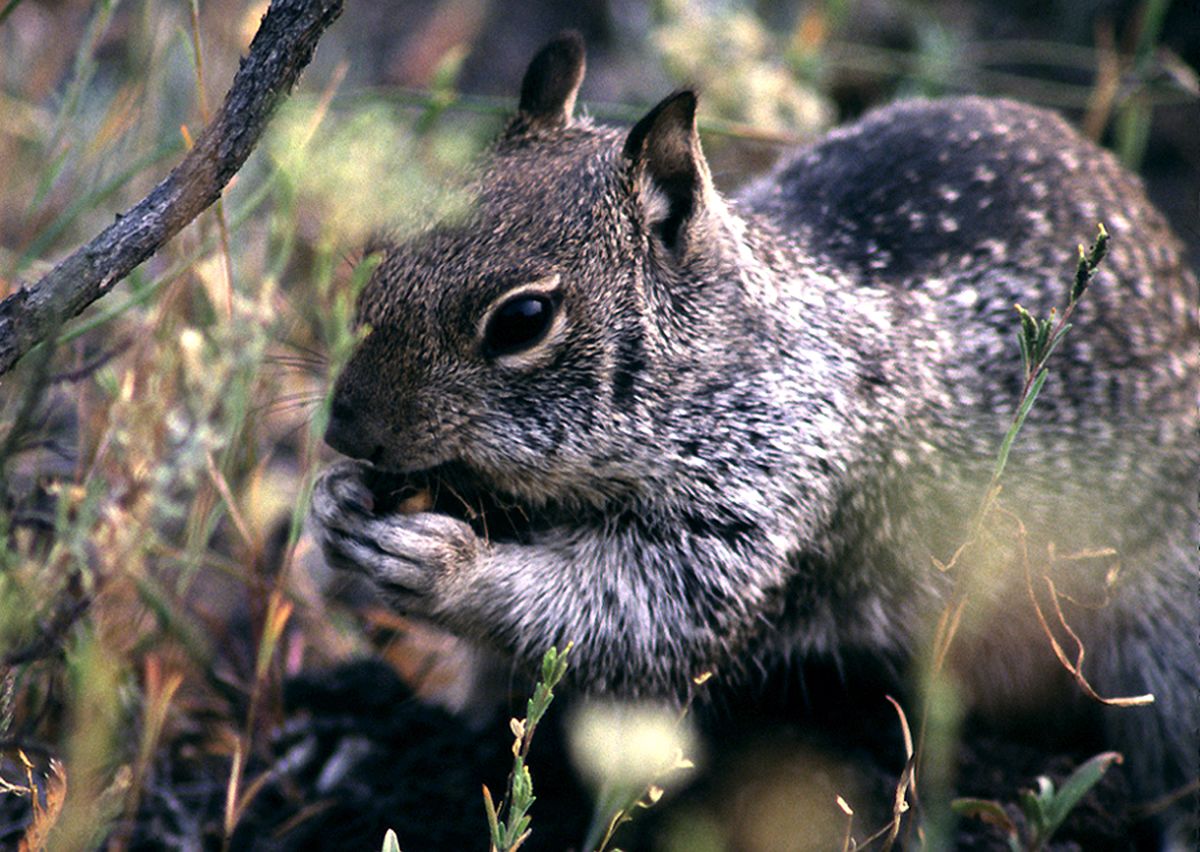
449,489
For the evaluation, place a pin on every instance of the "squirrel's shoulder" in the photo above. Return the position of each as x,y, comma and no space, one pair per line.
916,184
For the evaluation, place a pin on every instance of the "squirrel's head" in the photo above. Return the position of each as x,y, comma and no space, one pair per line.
525,339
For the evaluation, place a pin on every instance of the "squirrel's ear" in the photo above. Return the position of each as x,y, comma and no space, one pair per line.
664,148
552,81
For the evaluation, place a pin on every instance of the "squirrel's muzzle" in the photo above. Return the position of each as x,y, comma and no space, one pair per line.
350,437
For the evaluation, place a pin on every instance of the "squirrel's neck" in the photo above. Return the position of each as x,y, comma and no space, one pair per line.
811,384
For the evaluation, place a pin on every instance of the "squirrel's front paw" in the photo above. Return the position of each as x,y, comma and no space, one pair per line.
412,558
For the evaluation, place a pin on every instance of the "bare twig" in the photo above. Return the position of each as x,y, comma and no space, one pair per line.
281,49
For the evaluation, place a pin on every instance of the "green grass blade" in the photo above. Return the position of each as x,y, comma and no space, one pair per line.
1006,447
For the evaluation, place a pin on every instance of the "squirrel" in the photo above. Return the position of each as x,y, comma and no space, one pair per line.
690,432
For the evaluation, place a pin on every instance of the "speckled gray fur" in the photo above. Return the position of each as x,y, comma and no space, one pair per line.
757,418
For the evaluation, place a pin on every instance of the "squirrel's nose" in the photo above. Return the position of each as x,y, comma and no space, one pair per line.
348,435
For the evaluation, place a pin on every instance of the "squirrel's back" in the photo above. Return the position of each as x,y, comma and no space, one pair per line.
975,204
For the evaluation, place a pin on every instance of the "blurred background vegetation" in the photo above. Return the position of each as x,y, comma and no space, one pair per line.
156,587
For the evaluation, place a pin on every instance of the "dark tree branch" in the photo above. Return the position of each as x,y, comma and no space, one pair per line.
281,49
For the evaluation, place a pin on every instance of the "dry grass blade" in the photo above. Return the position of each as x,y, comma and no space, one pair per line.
907,778
1164,803
233,792
235,514
45,816
1075,667
848,844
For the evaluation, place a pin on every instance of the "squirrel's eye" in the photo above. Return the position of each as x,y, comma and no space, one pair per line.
518,324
